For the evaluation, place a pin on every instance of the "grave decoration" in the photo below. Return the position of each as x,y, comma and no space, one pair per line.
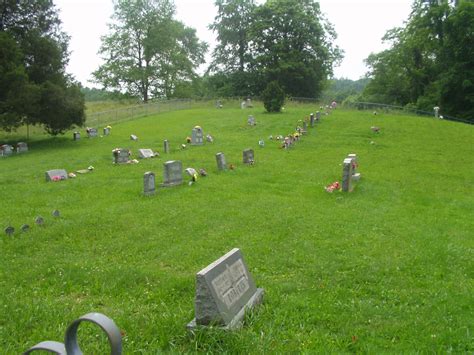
6,150
334,186
193,174
209,138
89,169
225,290
202,172
218,104
71,346
188,139
56,175
91,132
173,173
149,183
183,146
197,136
375,129
21,147
71,175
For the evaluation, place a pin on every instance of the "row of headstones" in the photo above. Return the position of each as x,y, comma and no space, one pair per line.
225,290
91,133
173,171
7,150
39,221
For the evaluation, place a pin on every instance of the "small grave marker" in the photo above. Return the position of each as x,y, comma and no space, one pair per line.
436,111
6,150
133,137
21,147
92,132
166,146
224,290
106,131
251,120
145,153
9,230
311,119
248,156
173,173
197,136
76,136
56,175
39,221
318,116
25,228
242,105
221,163
56,213
149,183
121,156
347,175
248,103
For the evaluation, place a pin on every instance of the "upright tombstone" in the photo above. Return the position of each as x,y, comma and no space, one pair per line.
21,147
56,175
224,290
248,156
146,153
251,120
197,137
6,150
221,163
173,173
347,175
305,127
248,103
106,131
436,111
92,132
355,165
166,146
311,119
121,156
242,105
76,136
318,116
149,183
218,104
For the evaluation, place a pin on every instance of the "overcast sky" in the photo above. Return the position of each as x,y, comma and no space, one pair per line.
360,25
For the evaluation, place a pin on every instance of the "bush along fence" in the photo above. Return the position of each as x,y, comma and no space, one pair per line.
128,113
436,113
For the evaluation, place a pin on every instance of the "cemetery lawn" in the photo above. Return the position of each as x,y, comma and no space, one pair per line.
386,268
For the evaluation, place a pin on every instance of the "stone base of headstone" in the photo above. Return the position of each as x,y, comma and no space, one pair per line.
237,321
356,177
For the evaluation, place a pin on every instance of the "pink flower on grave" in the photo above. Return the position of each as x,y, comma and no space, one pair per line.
334,186
56,178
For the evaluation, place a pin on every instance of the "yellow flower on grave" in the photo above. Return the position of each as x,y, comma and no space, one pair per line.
198,127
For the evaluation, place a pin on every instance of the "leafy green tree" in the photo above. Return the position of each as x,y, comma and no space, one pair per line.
273,97
294,45
148,52
33,57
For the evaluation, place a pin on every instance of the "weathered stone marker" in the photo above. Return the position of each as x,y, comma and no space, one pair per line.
39,221
436,111
347,175
318,115
197,137
133,137
92,132
173,173
149,183
6,150
248,156
121,156
56,174
355,165
166,146
146,153
21,147
76,136
71,346
106,131
224,290
311,119
221,163
9,230
251,120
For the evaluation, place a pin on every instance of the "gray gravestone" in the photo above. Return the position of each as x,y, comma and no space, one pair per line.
133,137
248,156
145,153
311,120
318,116
121,156
56,213
21,147
56,174
25,228
166,146
39,221
173,173
224,290
251,121
436,111
6,150
221,163
92,132
347,175
9,230
106,131
355,164
305,127
76,136
149,183
197,137
248,103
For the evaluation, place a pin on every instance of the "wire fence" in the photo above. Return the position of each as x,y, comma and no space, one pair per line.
104,118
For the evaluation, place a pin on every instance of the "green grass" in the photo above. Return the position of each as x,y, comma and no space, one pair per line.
387,268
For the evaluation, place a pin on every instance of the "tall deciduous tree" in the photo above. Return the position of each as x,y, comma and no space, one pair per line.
33,56
148,52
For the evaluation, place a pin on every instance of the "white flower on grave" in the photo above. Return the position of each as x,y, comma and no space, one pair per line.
90,167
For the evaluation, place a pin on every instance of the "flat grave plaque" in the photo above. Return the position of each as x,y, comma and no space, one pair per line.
145,153
56,174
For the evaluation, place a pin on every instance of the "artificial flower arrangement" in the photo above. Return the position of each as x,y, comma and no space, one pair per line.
334,186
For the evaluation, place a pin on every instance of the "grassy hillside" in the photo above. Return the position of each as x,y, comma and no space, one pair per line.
387,268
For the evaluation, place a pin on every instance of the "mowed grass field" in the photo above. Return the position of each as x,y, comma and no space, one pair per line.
387,268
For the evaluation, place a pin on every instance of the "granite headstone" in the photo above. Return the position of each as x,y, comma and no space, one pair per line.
149,183
173,173
248,156
56,174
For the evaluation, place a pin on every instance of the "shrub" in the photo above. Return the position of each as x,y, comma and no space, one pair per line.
273,97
